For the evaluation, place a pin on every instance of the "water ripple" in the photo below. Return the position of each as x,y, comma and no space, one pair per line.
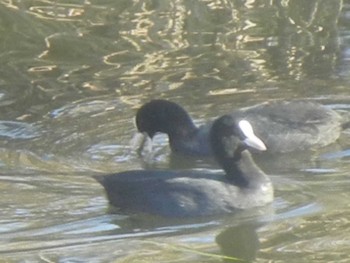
18,130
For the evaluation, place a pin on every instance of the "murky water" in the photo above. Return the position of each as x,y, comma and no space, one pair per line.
72,75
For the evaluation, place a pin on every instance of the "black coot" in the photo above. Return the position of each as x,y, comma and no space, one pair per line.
194,193
284,126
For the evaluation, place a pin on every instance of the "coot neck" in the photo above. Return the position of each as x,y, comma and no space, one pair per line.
183,130
242,171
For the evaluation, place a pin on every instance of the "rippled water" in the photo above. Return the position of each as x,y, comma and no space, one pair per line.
72,76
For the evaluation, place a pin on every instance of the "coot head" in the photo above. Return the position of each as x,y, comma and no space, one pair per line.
229,136
230,140
164,116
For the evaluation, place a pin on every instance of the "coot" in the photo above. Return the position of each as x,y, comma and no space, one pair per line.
284,126
194,193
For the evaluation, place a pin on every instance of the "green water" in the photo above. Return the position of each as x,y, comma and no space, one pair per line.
72,75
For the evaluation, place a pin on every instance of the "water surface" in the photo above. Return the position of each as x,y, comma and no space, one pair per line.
72,76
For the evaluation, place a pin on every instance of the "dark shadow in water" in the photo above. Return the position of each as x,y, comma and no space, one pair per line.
240,242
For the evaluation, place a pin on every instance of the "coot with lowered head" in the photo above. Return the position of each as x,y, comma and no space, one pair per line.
284,126
195,193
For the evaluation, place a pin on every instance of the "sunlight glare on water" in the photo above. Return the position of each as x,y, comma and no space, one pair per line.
73,76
